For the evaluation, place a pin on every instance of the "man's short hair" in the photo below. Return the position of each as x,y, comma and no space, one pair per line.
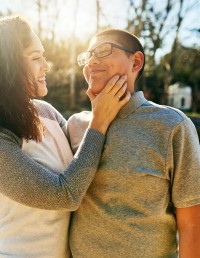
127,40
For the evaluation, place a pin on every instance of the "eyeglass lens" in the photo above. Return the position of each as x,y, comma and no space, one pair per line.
100,51
103,50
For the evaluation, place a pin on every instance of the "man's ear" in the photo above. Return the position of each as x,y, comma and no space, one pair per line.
138,61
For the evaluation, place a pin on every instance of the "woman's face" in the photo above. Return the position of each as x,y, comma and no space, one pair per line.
37,65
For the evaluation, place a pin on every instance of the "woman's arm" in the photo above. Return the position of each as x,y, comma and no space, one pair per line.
27,182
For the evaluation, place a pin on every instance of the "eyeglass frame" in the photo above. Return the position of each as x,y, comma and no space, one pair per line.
112,45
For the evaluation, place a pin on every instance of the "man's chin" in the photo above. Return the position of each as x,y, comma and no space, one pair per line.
95,91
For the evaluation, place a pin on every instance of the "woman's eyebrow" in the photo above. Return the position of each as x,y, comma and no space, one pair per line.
35,51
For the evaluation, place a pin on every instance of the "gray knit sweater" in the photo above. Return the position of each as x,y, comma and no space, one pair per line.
27,182
150,166
19,235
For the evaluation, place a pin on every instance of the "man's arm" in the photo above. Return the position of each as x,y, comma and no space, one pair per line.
188,221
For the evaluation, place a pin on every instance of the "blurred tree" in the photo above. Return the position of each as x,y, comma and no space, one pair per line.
98,15
73,59
39,10
152,24
186,69
48,12
150,21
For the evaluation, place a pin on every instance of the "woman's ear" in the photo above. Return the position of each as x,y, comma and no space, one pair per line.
138,61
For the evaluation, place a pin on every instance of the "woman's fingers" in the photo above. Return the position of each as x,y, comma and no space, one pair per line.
121,91
117,87
115,84
108,102
111,83
90,94
119,84
125,99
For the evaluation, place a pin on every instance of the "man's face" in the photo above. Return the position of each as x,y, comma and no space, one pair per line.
98,71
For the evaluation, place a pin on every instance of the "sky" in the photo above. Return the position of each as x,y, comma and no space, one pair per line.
115,13
86,14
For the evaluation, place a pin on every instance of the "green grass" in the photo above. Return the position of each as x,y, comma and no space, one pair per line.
192,114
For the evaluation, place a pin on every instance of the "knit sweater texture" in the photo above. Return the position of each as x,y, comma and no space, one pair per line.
46,185
150,165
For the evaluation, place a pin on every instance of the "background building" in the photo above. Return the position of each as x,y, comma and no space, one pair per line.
180,96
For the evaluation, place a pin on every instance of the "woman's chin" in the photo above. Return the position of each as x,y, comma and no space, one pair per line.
40,94
42,91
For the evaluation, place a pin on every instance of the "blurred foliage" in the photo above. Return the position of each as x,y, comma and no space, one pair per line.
150,22
152,25
58,79
186,70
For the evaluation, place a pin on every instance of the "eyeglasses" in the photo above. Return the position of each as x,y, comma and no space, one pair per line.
100,51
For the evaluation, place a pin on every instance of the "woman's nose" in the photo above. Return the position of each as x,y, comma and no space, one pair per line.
47,66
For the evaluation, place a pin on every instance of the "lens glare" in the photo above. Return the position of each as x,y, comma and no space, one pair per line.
100,51
103,50
83,58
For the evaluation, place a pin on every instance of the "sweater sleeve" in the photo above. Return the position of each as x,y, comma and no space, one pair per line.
27,182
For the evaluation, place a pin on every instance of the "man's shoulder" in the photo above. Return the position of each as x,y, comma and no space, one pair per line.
167,113
81,118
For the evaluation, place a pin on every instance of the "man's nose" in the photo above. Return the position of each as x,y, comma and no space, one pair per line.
93,59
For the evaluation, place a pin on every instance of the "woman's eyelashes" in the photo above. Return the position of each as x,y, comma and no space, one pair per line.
39,58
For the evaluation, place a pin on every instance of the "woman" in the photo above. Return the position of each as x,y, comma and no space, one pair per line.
38,128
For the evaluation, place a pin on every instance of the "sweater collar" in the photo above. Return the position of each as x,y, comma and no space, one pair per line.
10,136
137,99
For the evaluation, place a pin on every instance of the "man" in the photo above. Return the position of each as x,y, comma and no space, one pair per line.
148,181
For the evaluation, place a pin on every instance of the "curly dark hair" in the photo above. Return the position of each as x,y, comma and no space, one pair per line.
17,111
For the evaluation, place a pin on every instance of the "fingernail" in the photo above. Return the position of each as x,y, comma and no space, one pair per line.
125,76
